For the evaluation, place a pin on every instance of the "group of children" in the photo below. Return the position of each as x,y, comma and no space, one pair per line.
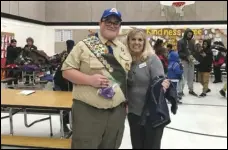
175,69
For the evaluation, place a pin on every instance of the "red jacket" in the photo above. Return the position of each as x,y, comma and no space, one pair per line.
164,61
218,60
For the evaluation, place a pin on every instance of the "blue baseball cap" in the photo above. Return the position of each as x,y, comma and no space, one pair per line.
111,11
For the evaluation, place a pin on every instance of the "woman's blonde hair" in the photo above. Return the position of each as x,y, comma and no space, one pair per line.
147,49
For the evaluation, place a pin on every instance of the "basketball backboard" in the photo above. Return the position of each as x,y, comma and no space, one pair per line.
178,5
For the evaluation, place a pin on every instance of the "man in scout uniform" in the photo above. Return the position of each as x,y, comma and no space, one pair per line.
98,67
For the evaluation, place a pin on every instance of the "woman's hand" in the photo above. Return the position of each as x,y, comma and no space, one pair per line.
166,84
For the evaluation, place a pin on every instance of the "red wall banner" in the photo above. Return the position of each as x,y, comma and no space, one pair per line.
5,41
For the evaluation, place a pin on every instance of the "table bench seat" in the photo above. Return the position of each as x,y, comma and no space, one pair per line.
35,142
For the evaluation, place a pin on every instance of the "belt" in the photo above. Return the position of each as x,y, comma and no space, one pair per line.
123,104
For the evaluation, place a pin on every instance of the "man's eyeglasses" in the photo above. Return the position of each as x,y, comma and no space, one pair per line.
114,23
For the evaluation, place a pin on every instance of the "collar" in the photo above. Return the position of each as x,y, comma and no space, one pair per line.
171,51
103,40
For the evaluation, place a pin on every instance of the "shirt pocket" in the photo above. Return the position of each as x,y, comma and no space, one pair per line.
124,56
94,63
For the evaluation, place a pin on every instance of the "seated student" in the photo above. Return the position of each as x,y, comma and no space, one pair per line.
175,69
30,44
12,53
61,84
28,47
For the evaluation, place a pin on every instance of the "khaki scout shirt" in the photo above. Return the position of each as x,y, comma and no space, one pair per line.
81,58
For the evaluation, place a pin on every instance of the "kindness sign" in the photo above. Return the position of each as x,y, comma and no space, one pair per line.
169,35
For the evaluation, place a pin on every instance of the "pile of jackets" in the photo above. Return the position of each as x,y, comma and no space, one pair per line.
35,57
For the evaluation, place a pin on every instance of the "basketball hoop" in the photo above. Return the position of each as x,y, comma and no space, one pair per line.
178,5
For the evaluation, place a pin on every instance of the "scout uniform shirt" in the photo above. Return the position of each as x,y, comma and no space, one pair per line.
84,60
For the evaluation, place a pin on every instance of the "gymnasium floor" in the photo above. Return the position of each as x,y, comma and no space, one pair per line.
195,118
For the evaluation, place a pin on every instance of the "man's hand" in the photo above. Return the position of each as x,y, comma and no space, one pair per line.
98,80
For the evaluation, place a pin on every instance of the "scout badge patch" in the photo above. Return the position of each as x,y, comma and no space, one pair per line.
98,49
127,66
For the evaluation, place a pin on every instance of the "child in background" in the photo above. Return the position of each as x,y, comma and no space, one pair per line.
175,69
197,55
223,91
218,60
161,52
205,59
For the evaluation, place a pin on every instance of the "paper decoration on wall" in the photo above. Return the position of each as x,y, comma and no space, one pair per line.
171,36
63,35
5,40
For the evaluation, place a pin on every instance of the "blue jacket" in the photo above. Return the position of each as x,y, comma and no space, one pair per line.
155,111
175,69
